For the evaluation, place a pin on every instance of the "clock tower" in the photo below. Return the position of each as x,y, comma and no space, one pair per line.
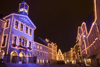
23,8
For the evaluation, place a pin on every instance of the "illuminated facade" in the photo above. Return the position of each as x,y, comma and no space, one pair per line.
18,44
90,40
73,55
45,51
76,52
18,36
52,51
67,57
40,51
60,56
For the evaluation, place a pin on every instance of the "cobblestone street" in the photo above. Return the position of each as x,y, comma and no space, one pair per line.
36,65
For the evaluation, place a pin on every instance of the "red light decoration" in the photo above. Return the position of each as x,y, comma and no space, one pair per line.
25,49
29,48
14,45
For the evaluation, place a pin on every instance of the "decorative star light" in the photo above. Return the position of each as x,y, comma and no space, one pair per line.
84,35
93,23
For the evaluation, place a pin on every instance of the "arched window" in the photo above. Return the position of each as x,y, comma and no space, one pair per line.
30,32
16,24
26,31
23,42
4,40
21,27
7,24
19,41
30,44
14,40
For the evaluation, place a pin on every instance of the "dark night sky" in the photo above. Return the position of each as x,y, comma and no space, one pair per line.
56,20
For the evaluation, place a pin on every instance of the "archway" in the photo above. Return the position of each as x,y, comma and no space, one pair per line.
21,57
13,57
28,58
2,53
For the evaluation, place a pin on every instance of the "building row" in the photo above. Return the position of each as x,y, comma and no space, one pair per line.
73,56
88,38
18,43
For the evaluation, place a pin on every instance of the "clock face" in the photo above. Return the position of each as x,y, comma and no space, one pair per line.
26,11
22,9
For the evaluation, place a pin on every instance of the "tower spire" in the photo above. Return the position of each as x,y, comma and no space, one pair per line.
24,0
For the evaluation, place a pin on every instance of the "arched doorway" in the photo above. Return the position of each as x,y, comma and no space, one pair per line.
13,57
2,53
21,57
28,58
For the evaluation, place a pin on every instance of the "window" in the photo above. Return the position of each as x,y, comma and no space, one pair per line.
34,52
35,46
38,46
14,40
41,53
25,42
19,41
37,60
40,61
16,24
26,31
4,41
43,61
30,44
37,52
21,27
30,32
7,24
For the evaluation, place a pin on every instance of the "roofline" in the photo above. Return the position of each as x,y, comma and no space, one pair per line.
2,20
20,15
41,44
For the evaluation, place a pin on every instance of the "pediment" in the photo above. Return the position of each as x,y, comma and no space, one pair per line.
25,19
22,18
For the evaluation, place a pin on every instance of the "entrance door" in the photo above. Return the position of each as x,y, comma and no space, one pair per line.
13,57
21,58
28,58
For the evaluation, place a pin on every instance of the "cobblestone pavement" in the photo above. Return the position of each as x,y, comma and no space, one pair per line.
36,65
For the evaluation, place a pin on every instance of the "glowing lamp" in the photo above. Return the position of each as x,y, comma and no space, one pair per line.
84,35
93,24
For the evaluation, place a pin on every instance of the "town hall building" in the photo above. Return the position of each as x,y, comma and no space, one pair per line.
18,36
18,44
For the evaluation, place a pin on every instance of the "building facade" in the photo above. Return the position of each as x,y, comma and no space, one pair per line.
52,51
18,44
90,40
40,51
18,36
67,57
60,56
